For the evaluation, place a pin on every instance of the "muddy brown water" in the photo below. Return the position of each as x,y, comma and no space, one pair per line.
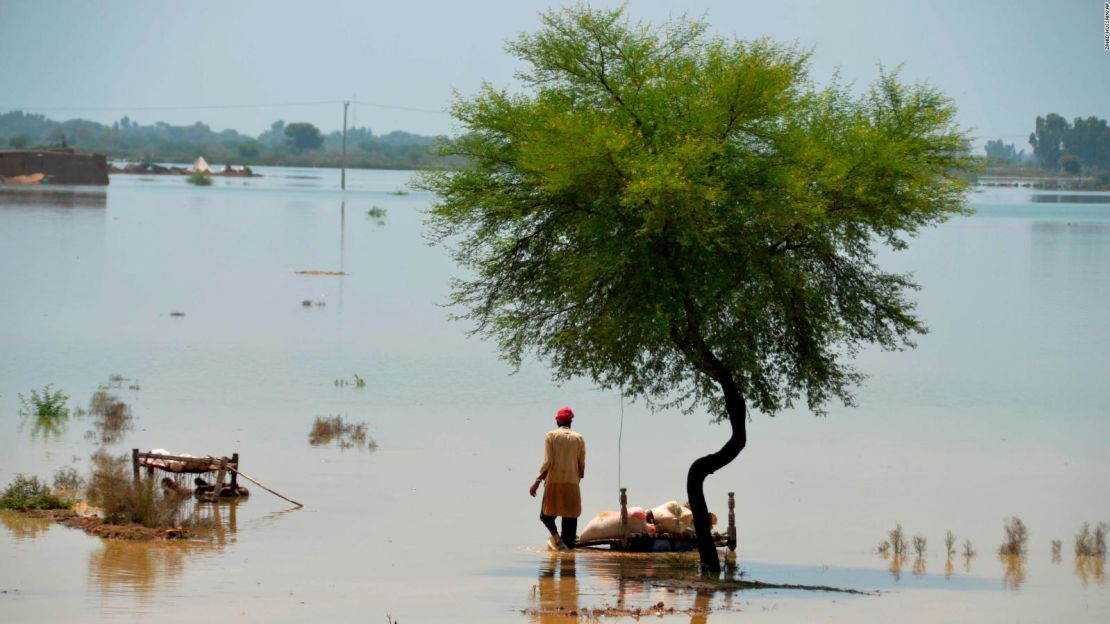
1001,410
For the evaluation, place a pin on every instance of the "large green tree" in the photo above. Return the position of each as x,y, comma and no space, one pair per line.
690,218
1047,139
302,137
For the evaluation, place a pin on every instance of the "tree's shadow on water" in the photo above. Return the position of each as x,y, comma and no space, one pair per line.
589,583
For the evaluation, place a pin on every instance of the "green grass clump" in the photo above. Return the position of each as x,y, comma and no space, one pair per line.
49,403
199,178
46,410
31,493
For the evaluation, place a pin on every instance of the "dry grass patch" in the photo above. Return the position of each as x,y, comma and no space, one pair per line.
328,429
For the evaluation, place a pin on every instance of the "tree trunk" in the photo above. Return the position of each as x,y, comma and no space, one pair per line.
702,467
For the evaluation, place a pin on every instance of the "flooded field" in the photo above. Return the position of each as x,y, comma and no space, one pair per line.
192,297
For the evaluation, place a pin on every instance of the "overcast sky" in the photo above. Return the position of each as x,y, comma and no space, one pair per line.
1004,62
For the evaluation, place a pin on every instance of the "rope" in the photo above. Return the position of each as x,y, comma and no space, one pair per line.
620,436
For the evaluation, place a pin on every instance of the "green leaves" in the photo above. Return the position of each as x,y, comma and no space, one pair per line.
665,210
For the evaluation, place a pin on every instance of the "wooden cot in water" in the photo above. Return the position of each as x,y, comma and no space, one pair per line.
662,542
189,464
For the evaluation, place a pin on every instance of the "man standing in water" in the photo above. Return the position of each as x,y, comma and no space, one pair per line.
564,465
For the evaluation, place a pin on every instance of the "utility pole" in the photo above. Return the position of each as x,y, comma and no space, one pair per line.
343,170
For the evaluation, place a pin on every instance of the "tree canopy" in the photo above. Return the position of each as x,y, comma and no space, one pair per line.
303,137
690,217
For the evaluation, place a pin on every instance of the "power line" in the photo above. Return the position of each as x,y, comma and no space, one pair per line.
399,108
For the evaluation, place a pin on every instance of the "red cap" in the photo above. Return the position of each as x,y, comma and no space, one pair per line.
564,415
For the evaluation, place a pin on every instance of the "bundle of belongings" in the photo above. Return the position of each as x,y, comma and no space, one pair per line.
184,462
668,518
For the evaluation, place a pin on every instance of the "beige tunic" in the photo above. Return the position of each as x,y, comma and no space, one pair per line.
564,465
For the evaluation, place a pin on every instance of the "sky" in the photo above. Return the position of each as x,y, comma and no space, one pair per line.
246,63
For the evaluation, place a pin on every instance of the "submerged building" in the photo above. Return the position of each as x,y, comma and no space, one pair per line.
57,166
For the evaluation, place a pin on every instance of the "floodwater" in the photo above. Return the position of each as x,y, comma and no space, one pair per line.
1000,411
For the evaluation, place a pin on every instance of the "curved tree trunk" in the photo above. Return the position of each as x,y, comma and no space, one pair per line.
705,466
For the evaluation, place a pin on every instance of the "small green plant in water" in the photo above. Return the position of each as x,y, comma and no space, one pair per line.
358,382
199,178
31,493
377,213
49,403
47,411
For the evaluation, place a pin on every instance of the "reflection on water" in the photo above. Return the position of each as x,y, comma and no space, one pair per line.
24,527
919,565
895,566
1013,570
626,576
143,568
46,427
556,591
1090,568
1069,198
58,197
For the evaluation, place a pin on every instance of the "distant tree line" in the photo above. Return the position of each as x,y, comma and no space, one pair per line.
1077,147
296,143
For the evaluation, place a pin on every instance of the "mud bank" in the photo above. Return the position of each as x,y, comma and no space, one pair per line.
94,525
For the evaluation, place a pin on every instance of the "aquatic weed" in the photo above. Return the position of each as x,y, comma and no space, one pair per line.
919,543
49,403
1091,543
112,417
199,178
345,434
47,411
377,214
897,540
950,543
1016,537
